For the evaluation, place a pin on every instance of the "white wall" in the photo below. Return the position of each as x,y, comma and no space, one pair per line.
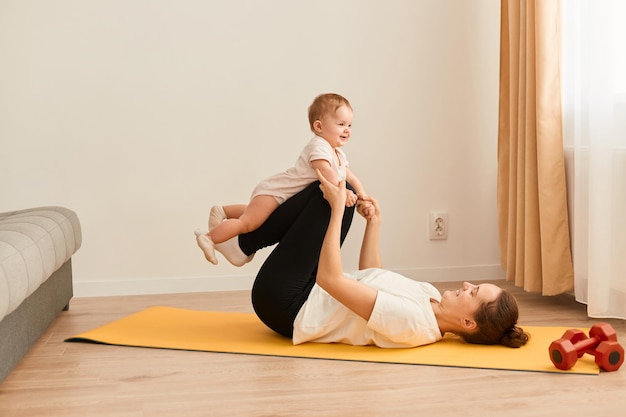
141,114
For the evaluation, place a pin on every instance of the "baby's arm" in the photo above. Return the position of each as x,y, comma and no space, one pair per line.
327,171
354,181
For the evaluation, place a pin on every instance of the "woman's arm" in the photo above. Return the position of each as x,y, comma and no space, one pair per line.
370,249
358,297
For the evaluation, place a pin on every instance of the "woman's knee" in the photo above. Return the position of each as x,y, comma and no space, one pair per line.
272,312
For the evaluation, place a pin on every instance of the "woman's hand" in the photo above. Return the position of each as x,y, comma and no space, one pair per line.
334,194
368,208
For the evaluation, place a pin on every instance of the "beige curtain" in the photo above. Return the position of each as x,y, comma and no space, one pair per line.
532,197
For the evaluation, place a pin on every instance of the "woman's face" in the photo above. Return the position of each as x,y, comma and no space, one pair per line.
465,301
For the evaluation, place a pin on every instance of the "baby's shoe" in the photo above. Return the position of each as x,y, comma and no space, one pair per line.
216,216
206,244
232,252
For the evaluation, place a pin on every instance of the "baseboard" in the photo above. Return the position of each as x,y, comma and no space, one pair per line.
171,285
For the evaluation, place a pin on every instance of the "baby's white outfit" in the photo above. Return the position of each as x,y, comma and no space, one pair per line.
293,180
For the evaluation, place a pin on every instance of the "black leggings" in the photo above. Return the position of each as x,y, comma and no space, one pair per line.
286,278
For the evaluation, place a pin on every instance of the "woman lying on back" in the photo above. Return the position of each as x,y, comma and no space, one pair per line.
306,300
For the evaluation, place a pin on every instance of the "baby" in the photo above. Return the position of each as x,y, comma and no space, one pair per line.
330,119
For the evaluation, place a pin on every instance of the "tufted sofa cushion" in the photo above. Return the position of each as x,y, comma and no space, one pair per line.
34,243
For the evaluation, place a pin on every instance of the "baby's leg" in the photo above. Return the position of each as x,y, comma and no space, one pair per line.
220,213
252,217
234,211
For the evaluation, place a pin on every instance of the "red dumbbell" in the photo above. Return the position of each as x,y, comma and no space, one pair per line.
602,343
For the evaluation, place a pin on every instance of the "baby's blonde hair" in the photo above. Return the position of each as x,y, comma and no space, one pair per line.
325,104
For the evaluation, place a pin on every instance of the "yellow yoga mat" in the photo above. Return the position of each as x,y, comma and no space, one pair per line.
212,331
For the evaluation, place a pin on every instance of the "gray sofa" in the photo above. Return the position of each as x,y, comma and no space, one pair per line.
36,246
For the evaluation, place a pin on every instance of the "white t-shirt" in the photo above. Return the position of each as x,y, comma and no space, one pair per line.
295,179
402,315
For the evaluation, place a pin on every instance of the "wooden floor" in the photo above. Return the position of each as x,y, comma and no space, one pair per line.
78,379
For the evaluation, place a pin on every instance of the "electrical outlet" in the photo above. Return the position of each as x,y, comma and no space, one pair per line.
438,225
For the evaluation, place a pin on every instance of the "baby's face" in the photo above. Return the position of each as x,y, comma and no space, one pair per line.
336,128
